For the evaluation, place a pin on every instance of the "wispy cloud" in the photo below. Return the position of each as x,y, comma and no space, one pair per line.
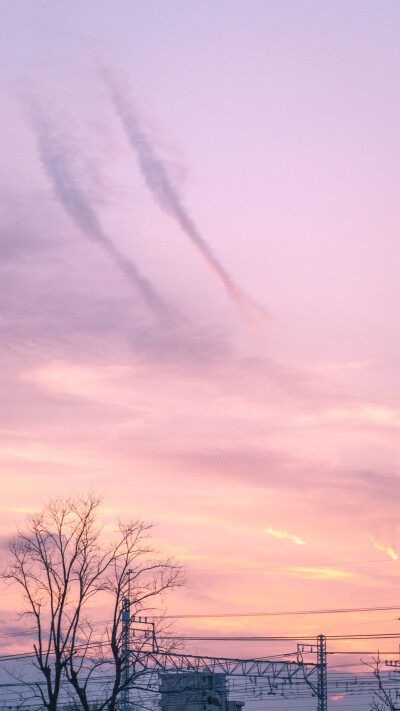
386,549
165,193
319,573
282,534
55,154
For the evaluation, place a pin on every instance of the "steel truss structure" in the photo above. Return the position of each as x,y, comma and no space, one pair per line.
146,659
275,672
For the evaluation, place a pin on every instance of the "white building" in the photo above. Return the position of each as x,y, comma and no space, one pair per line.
196,691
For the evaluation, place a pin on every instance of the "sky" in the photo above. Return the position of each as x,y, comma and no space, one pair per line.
199,264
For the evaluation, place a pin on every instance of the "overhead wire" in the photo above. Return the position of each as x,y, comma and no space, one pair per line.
277,638
329,611
365,684
262,568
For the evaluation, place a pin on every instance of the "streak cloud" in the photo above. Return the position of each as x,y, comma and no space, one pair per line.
282,534
386,549
54,154
166,195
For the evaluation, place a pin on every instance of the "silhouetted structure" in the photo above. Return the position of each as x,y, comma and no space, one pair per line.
196,691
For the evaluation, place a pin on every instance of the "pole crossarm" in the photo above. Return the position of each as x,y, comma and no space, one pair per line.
276,672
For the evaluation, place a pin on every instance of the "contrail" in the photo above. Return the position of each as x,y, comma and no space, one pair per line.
53,151
161,186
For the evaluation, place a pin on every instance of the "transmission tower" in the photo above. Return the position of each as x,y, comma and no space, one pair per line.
322,674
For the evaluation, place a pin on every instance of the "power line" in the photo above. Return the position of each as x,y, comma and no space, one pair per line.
298,638
263,568
363,651
331,611
243,638
23,655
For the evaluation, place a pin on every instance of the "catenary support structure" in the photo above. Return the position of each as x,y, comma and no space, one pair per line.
143,659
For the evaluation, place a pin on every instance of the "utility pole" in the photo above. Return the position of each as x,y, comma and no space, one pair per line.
322,674
125,645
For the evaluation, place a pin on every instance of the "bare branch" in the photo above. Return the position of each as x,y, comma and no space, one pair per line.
61,562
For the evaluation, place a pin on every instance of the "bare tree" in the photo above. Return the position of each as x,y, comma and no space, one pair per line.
385,697
63,563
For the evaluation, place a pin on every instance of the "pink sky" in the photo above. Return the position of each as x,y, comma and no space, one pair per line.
277,126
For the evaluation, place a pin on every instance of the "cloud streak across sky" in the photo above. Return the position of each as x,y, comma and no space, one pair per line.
166,194
55,153
288,536
387,549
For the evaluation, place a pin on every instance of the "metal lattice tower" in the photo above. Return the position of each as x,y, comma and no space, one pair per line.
125,646
322,674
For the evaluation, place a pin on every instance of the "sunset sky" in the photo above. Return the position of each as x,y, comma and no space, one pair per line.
200,295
